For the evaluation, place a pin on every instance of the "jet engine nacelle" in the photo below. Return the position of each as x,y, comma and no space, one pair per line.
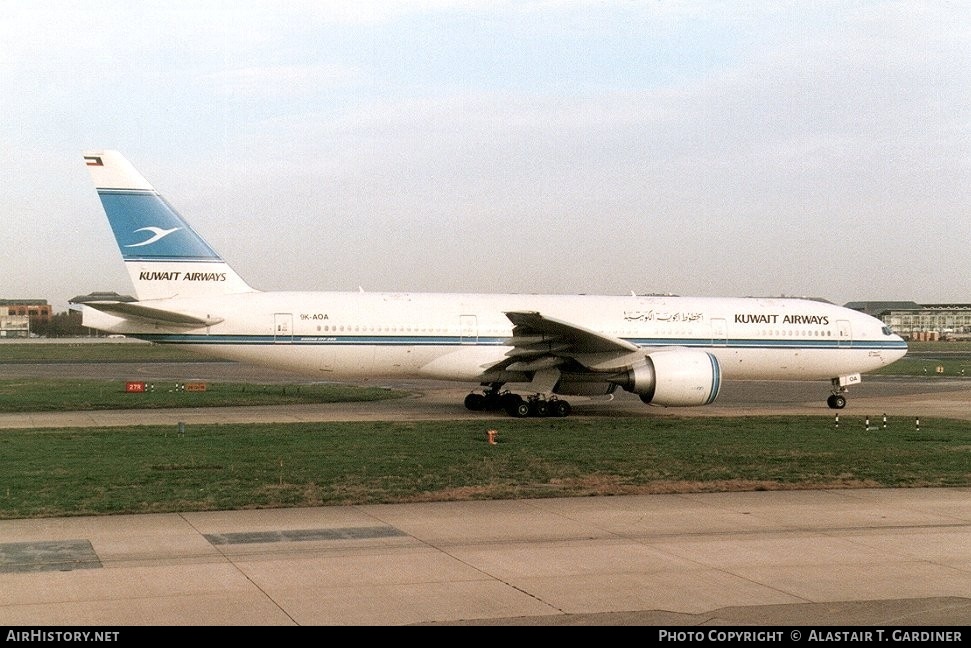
682,378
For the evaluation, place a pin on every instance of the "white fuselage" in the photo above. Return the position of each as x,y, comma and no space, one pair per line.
459,336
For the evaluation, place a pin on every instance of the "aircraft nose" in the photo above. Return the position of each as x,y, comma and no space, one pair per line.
897,354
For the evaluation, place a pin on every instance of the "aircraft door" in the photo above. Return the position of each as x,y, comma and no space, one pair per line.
468,329
282,328
844,334
719,332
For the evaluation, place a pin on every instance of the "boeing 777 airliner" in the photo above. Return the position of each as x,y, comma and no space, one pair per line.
524,352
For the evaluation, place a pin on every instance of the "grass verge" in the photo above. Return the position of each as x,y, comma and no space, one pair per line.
44,395
223,467
94,352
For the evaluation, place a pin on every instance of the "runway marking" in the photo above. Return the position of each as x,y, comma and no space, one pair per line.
303,535
61,555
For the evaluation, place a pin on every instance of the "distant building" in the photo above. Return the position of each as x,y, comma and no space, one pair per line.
14,326
921,321
20,316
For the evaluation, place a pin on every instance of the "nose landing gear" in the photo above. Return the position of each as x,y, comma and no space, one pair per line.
836,401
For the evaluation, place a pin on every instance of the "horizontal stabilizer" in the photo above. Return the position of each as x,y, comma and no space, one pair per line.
151,314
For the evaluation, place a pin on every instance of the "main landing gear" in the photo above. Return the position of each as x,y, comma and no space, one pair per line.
516,405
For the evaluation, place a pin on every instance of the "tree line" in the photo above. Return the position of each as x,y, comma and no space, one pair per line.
63,324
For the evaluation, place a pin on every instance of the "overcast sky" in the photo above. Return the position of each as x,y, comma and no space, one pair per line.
702,148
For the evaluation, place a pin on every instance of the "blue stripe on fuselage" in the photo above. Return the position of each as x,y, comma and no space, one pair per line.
448,340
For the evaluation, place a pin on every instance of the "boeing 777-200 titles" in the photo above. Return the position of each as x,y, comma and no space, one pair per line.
521,353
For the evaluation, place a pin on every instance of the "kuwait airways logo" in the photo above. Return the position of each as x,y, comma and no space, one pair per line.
157,235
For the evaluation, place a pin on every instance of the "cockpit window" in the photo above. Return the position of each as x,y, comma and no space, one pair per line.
887,331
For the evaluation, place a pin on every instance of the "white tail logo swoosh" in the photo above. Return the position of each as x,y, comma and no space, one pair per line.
159,235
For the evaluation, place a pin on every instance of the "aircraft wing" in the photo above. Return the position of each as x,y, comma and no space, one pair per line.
150,314
541,342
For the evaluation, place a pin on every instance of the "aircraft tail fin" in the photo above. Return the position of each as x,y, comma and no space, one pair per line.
165,257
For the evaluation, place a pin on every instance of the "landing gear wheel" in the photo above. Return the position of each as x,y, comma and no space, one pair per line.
519,410
560,408
509,401
491,399
475,402
836,401
539,407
